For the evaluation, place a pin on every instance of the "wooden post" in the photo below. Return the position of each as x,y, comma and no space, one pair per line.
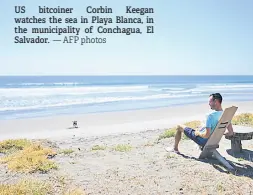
236,145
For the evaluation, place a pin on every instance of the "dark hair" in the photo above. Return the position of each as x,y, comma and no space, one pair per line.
217,96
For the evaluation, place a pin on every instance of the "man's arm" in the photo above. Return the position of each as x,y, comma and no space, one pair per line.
230,127
204,134
207,132
230,131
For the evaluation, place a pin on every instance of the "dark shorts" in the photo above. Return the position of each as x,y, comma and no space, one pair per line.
190,133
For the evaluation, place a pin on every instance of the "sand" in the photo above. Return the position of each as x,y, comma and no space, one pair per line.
100,124
147,168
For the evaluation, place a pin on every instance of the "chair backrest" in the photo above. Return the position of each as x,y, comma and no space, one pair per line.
218,132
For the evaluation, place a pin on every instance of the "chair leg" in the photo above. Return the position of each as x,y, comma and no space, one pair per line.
206,153
222,160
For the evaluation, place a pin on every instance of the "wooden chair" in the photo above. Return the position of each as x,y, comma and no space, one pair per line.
212,144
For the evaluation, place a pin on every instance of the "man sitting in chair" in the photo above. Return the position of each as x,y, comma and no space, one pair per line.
201,136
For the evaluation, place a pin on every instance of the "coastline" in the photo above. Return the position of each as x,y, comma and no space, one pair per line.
102,124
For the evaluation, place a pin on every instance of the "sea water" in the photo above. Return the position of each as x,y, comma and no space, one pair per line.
36,96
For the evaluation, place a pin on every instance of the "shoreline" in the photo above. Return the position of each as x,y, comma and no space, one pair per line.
109,123
3,118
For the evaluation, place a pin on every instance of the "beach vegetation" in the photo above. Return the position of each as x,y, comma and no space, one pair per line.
244,119
123,148
220,187
168,133
61,180
98,147
172,131
31,158
193,124
149,144
26,186
67,189
26,156
171,156
66,151
11,145
33,186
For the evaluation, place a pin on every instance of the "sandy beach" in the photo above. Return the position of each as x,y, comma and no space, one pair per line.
100,124
97,167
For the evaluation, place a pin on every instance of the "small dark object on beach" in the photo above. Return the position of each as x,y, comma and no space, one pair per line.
50,156
75,124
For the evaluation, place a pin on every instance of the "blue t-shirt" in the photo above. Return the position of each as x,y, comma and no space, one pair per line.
213,119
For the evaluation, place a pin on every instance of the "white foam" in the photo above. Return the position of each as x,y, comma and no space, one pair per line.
72,90
46,84
223,87
24,92
44,103
173,88
46,97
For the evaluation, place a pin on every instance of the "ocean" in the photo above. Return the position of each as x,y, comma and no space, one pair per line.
39,96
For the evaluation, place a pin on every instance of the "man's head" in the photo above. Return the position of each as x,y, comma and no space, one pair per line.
215,101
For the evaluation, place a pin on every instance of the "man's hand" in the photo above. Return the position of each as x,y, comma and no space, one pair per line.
203,134
197,132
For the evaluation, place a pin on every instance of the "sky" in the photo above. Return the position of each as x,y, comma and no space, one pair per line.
196,37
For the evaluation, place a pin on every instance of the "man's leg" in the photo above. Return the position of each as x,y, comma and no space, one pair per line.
190,133
180,130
